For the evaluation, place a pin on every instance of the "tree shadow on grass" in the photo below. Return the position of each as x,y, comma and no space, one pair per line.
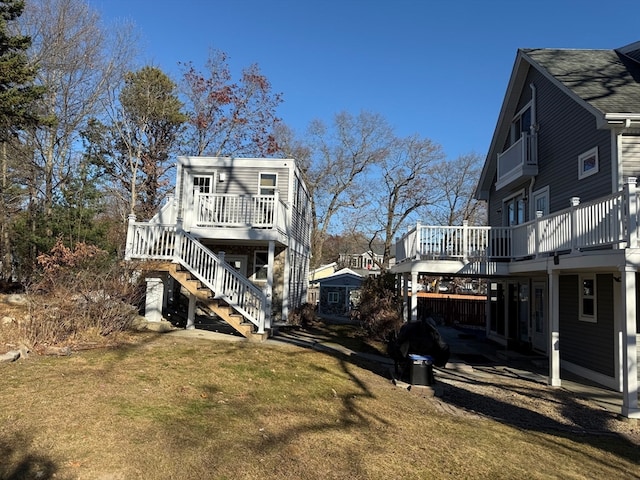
19,462
582,422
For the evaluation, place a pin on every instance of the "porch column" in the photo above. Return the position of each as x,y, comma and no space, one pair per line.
191,313
406,314
629,344
554,330
414,296
154,299
269,292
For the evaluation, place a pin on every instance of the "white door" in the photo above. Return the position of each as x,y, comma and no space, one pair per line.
539,316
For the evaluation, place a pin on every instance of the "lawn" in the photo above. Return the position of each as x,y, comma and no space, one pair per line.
167,407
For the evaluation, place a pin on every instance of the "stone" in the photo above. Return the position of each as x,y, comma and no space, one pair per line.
10,356
7,320
16,299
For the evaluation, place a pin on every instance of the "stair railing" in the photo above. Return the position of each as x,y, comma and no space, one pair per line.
169,242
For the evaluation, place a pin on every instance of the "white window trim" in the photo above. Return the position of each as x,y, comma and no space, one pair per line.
333,297
581,159
584,317
540,193
211,178
260,187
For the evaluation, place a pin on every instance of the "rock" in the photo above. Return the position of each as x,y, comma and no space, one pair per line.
16,299
10,356
7,320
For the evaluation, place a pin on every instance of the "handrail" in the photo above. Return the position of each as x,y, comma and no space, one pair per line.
166,242
604,222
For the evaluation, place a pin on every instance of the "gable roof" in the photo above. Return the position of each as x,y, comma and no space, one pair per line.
604,82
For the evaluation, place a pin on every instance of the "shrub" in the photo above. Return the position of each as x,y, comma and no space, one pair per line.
79,292
303,315
379,311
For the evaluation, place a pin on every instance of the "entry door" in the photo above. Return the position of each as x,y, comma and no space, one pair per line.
239,262
539,313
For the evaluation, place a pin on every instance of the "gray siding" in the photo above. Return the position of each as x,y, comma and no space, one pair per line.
566,130
590,345
630,156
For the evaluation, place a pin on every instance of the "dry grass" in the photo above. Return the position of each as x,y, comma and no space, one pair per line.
169,407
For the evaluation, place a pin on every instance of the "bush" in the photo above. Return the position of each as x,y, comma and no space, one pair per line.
379,311
303,315
77,293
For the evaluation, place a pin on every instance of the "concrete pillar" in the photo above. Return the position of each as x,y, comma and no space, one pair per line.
154,299
191,313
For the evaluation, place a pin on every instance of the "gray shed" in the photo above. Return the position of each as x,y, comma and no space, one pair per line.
339,292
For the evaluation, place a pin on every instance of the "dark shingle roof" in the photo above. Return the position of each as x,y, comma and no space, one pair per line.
606,79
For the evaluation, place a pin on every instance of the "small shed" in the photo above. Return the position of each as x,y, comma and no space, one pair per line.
339,292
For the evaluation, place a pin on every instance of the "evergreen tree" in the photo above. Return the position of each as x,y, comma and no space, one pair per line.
18,95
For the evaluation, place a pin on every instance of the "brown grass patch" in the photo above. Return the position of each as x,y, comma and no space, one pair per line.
173,407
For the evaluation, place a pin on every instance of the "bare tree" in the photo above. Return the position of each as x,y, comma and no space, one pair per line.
404,187
228,118
78,61
455,181
336,170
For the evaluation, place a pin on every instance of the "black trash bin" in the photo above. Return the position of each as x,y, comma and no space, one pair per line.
421,370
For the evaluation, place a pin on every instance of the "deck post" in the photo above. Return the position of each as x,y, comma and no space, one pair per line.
575,201
191,312
414,296
632,212
465,241
629,344
554,329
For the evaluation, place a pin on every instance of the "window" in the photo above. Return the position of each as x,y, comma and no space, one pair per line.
521,124
588,299
541,201
588,163
268,183
260,264
202,184
514,210
333,297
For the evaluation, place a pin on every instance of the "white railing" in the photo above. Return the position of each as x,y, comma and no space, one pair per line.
223,210
605,222
518,161
166,242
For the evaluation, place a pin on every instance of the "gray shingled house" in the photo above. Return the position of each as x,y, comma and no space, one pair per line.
561,247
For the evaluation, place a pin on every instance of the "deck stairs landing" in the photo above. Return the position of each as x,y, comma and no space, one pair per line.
206,298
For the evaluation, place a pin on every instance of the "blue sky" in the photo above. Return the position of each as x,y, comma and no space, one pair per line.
436,68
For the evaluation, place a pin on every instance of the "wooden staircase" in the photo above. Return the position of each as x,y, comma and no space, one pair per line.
206,298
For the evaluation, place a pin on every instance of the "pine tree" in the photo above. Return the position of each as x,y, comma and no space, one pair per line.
18,95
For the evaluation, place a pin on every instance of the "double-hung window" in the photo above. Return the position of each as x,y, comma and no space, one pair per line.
588,298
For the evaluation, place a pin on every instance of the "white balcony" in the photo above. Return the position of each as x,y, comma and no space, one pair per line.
519,162
608,222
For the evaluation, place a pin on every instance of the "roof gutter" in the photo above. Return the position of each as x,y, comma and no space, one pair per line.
624,120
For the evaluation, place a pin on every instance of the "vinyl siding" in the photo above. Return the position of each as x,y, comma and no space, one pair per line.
590,345
630,155
566,130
